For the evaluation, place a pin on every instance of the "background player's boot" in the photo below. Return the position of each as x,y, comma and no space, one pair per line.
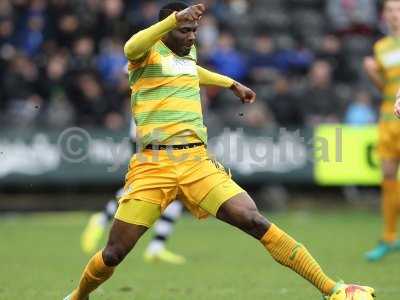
69,297
381,250
344,291
164,256
93,233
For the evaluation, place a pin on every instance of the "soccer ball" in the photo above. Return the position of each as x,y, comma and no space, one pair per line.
353,292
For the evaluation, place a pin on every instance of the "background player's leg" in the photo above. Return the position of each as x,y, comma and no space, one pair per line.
97,225
241,212
390,204
163,229
123,237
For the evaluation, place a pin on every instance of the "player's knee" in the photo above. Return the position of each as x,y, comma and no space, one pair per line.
255,223
113,255
390,175
389,170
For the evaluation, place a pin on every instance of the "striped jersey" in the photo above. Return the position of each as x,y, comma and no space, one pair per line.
387,54
165,97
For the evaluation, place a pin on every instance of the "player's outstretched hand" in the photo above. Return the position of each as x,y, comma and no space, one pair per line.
370,64
244,93
397,105
190,14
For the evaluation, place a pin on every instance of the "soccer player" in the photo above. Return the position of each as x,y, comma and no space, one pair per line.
384,71
166,105
163,228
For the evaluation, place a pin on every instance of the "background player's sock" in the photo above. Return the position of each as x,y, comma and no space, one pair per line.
390,209
285,250
95,273
164,227
96,227
109,211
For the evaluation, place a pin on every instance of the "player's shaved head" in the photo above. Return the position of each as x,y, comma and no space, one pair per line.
169,8
183,37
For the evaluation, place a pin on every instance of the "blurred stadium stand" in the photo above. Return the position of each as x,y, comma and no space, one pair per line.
62,61
62,64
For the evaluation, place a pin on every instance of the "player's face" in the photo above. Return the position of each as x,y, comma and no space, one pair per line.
391,13
183,38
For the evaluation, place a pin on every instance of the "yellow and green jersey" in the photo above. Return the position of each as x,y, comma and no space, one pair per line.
166,96
387,54
165,88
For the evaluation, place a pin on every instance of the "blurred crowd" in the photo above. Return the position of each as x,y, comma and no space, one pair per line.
62,62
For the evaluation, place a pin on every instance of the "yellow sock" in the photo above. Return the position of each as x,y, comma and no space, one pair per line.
390,209
285,250
95,273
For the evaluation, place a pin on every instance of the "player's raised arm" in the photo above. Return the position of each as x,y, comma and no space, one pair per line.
373,71
140,43
207,77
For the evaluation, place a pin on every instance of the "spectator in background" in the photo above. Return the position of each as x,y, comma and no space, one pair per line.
6,9
226,59
7,51
266,62
239,7
32,36
361,110
319,99
89,99
227,10
331,50
32,27
111,20
111,61
21,91
8,43
352,16
59,111
67,29
119,105
145,16
7,35
257,116
207,35
285,107
83,54
88,13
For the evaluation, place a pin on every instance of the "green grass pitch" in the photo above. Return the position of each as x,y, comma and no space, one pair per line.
41,259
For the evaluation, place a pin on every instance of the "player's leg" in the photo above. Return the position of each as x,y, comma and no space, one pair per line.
163,228
390,205
241,212
209,185
132,219
97,225
123,237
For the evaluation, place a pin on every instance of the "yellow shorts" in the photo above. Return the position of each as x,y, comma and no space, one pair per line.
389,140
156,178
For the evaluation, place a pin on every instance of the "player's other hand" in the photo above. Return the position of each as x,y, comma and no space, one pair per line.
370,64
397,105
191,14
243,92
